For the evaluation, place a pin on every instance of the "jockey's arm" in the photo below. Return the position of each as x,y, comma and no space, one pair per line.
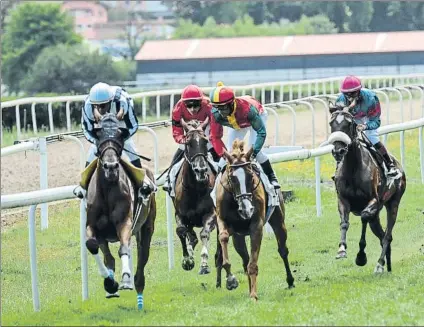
87,122
260,128
373,113
177,128
216,134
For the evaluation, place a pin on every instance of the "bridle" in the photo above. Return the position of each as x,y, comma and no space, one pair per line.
188,136
242,196
352,129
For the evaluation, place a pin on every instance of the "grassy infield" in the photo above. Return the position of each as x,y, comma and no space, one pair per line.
327,291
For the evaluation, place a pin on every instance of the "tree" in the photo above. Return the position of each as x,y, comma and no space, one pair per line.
361,13
70,69
32,28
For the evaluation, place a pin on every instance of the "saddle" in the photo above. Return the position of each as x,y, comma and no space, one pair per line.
373,151
135,174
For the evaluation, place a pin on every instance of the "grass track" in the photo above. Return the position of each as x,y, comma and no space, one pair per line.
328,292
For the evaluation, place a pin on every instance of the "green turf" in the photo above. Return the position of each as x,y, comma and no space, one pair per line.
328,291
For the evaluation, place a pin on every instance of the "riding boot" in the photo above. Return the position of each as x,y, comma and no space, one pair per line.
177,156
393,171
215,156
146,189
80,192
269,172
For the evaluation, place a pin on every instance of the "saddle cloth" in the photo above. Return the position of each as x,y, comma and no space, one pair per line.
273,199
135,174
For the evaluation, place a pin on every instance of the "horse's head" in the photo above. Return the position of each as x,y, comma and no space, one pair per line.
343,129
196,148
111,140
241,178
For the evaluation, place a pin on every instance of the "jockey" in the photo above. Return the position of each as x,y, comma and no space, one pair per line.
193,105
241,114
102,99
366,113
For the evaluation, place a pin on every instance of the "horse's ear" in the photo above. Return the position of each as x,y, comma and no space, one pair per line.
228,157
249,154
204,124
184,124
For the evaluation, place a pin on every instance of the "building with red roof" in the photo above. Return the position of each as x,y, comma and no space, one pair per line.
264,59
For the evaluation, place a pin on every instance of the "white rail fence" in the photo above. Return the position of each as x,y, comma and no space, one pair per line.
50,195
328,85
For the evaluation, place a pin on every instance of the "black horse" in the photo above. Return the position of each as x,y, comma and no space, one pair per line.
110,212
193,203
362,187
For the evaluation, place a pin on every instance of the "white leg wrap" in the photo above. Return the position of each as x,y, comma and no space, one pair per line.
103,271
125,265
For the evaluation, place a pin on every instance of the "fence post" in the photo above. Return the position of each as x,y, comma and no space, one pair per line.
33,258
43,181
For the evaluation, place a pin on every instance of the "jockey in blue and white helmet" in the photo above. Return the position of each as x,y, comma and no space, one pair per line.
103,99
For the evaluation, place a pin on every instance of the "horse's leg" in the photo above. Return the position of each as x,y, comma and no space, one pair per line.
256,231
188,261
344,210
143,237
209,222
124,235
392,210
224,237
378,231
239,243
367,215
218,260
109,283
277,223
361,257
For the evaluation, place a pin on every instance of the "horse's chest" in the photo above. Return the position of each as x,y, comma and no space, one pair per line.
192,209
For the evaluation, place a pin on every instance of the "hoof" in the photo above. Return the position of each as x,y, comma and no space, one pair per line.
379,269
341,255
204,270
140,302
188,263
291,286
110,285
232,283
254,298
110,296
361,259
126,282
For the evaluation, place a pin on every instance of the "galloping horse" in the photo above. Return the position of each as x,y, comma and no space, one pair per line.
110,211
241,203
193,204
362,187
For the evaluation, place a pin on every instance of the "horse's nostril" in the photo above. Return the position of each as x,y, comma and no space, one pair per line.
105,165
116,165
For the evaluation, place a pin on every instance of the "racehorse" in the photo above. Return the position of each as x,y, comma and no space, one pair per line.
193,204
362,187
241,203
111,218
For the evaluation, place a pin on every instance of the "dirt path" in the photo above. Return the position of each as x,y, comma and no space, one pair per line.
20,172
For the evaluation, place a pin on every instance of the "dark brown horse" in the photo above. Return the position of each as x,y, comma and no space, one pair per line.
110,213
241,203
362,188
193,203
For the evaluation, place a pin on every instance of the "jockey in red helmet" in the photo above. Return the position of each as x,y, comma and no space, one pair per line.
193,105
241,114
366,111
